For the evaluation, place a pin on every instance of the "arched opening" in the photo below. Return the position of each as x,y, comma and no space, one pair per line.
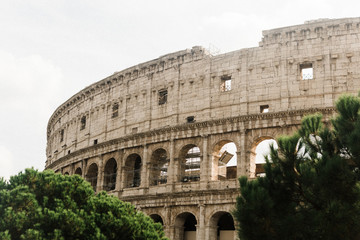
157,219
159,167
190,164
110,175
78,171
132,171
185,226
224,161
66,173
92,174
222,226
259,150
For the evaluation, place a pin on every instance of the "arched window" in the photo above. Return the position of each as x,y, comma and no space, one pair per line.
78,171
92,174
224,161
132,171
185,226
260,149
159,167
110,175
222,226
157,219
190,164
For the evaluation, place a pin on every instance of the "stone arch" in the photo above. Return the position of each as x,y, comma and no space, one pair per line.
132,170
256,165
185,226
66,173
92,175
110,171
189,163
157,218
221,226
224,160
78,171
159,163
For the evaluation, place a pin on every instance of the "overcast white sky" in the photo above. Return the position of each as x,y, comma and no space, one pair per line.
49,50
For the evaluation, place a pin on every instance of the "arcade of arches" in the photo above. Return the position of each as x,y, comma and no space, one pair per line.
155,178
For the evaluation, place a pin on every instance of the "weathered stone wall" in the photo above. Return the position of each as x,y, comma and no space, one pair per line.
265,78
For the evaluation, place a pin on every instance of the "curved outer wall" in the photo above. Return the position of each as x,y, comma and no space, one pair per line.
127,115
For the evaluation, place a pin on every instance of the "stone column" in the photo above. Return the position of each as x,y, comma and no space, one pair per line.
144,169
119,177
83,168
72,169
241,156
200,228
205,165
100,176
171,170
167,221
123,173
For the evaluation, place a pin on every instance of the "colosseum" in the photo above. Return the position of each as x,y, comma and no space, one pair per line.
173,134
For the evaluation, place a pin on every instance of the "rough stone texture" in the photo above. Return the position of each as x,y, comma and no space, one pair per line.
268,76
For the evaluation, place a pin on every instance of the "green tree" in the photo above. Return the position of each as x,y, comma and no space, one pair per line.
311,189
44,205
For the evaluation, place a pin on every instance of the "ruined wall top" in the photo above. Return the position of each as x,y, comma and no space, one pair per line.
323,27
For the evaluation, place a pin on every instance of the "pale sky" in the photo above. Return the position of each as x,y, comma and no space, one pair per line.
50,50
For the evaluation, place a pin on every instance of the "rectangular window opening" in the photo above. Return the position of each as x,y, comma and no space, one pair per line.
163,96
115,110
264,108
307,71
83,123
225,85
95,141
62,135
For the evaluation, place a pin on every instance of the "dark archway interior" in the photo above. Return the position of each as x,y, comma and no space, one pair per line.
157,219
110,175
78,171
190,223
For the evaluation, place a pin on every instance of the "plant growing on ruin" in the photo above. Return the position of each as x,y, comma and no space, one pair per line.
44,205
311,188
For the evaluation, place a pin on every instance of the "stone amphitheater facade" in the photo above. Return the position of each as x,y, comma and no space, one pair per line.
154,134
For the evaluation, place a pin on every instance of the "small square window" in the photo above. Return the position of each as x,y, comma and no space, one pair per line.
163,96
264,108
95,141
225,85
190,119
307,71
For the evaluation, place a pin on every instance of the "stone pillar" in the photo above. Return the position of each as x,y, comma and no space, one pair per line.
119,177
100,176
200,228
144,169
167,222
205,165
83,168
171,178
72,169
241,156
123,173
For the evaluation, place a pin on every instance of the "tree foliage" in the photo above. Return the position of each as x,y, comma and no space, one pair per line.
44,205
311,189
